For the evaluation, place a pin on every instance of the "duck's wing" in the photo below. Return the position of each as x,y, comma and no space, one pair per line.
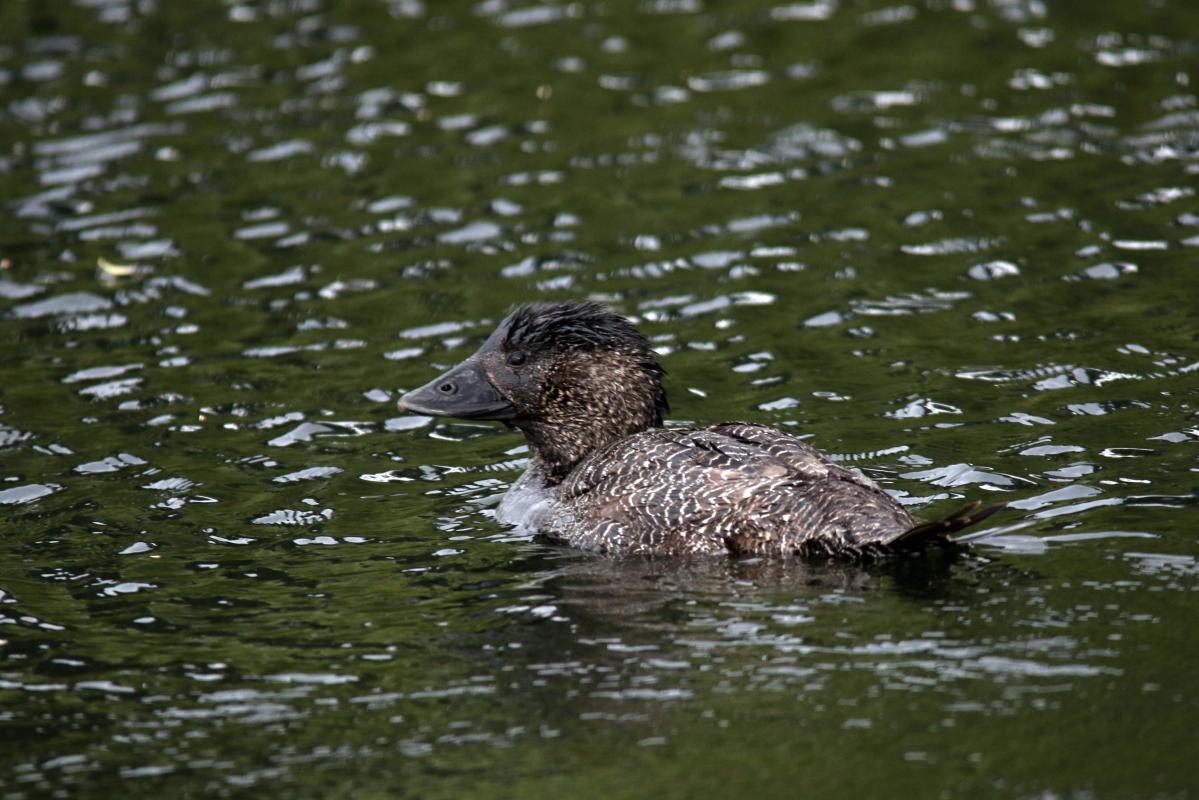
660,491
876,519
800,456
739,487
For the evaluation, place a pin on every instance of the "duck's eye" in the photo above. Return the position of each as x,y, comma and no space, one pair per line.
516,359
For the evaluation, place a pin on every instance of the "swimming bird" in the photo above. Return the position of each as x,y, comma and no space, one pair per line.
585,388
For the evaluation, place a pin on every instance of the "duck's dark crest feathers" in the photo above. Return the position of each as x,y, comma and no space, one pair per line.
939,531
581,326
578,325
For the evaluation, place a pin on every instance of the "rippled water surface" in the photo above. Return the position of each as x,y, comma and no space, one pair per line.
953,241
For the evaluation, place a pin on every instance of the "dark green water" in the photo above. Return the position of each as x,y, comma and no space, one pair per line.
954,241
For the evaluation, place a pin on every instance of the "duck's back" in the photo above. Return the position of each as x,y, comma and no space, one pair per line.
733,487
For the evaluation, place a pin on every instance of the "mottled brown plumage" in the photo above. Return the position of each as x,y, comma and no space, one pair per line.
584,387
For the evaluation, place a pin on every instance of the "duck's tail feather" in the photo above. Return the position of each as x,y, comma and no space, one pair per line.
939,531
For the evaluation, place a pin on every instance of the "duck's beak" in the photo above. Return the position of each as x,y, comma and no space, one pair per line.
463,392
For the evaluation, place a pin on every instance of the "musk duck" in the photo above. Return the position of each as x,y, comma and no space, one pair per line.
585,388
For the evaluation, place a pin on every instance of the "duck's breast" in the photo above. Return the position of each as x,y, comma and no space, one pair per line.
528,504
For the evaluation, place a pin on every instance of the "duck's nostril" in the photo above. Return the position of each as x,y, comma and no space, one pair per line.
446,388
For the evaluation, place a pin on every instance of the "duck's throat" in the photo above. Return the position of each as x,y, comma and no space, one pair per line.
559,447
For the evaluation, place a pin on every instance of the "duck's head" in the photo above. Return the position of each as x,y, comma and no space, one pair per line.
571,376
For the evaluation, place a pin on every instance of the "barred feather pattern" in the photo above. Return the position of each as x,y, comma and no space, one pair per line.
736,487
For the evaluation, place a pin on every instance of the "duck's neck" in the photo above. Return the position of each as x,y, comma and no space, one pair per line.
559,446
591,403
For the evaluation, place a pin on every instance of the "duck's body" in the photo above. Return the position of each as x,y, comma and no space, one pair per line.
734,487
583,386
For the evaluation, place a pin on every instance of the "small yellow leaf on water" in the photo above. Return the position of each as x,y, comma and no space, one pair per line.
120,270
